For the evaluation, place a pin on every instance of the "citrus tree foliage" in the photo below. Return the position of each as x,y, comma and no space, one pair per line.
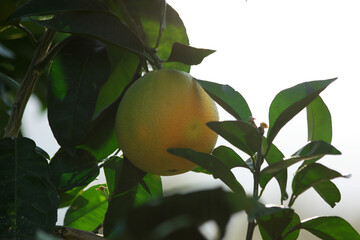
79,57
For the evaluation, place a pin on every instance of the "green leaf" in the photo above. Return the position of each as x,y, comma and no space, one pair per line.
309,176
93,24
28,200
319,121
123,67
229,99
312,150
166,218
75,79
188,55
328,191
275,221
101,139
150,15
329,228
129,187
44,7
290,102
88,210
240,134
212,164
274,156
69,171
68,197
229,157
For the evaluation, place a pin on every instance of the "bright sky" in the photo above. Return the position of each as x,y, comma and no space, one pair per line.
263,47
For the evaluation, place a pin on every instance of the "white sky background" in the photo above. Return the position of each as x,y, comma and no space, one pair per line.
263,47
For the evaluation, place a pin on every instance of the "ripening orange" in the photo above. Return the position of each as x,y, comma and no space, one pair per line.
165,109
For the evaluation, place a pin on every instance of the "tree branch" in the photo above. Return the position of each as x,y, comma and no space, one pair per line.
72,233
28,84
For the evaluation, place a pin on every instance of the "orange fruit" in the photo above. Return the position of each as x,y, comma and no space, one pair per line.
165,109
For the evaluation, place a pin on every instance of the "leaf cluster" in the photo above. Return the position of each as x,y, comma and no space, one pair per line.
79,57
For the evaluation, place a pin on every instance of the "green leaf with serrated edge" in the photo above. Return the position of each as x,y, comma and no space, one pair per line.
328,191
229,157
71,170
274,221
240,134
92,24
128,187
329,227
28,199
310,175
75,79
188,55
229,99
212,164
319,121
66,198
159,219
88,210
290,102
274,156
312,150
44,7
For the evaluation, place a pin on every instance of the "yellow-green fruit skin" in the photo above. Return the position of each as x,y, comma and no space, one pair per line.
165,109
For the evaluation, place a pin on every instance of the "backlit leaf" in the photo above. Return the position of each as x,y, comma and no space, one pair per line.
229,99
187,54
240,134
88,210
290,102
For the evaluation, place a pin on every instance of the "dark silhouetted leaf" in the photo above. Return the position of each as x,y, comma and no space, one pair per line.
290,102
240,134
45,7
28,200
329,228
319,121
69,171
328,191
309,176
188,55
129,187
229,157
76,77
232,101
88,210
92,24
275,221
166,218
212,164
